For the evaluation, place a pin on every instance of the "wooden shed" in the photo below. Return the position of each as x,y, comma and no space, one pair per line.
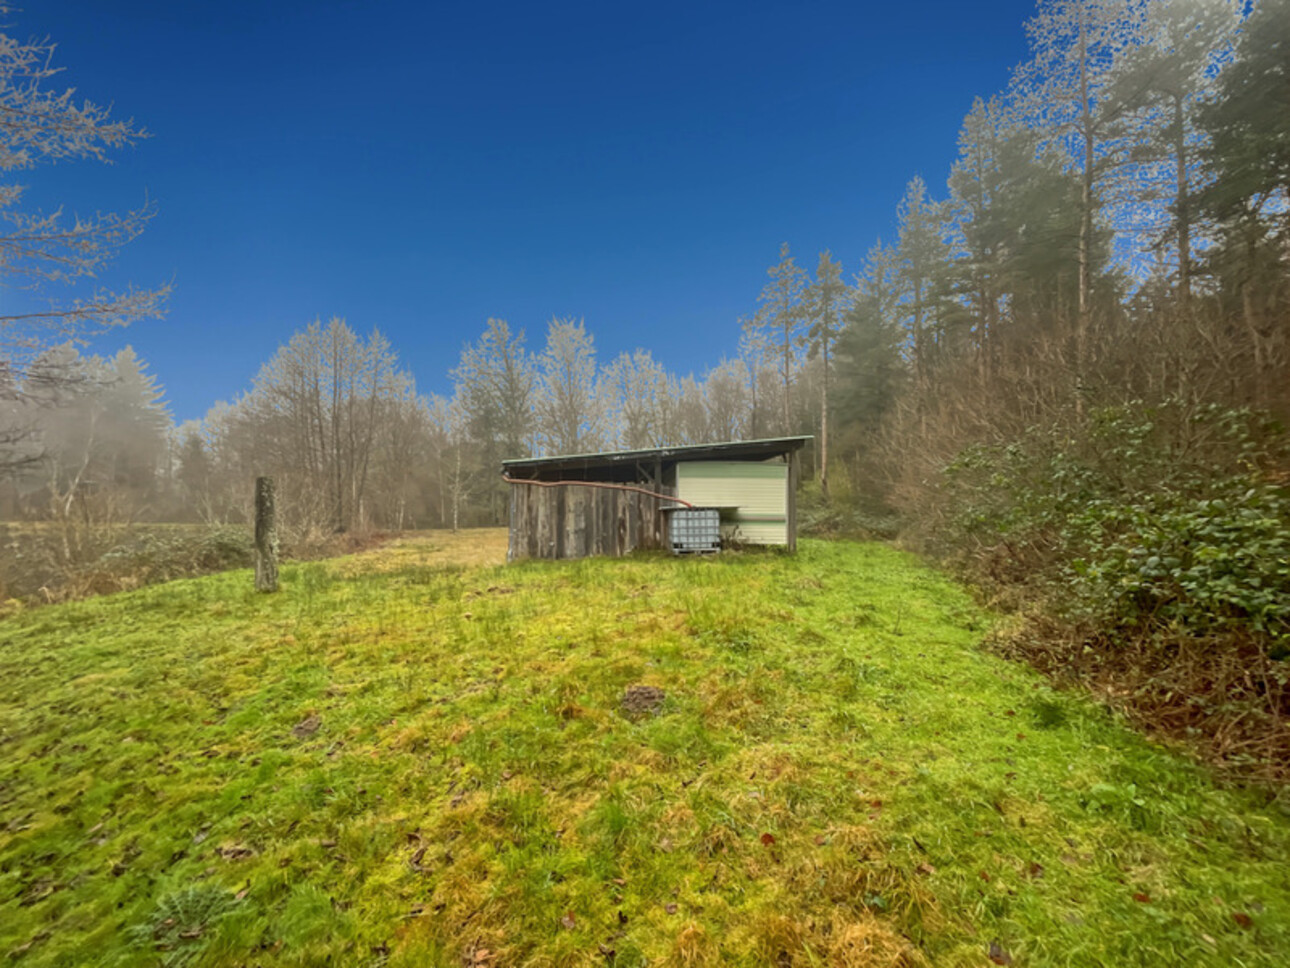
613,503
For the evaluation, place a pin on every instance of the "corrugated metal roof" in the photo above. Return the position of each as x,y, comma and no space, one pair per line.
762,449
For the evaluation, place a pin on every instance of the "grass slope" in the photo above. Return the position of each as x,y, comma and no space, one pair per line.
401,761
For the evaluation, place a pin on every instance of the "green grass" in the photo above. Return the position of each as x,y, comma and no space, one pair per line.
838,776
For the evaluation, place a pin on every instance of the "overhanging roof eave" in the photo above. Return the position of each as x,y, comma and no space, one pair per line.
762,449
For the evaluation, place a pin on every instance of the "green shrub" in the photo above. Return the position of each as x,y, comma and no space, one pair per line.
1217,563
1145,517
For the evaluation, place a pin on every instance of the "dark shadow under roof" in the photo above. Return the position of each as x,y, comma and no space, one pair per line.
750,450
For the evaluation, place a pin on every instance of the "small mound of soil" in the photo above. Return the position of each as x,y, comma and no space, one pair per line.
641,701
307,726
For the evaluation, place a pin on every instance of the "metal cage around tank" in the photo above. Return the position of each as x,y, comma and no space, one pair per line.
694,531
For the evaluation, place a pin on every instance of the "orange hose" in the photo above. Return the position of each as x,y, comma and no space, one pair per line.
604,484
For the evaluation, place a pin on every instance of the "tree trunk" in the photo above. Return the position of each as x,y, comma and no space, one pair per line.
1085,222
1184,217
456,491
824,424
788,380
266,537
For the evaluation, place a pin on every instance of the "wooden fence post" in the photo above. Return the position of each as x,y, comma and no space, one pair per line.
266,537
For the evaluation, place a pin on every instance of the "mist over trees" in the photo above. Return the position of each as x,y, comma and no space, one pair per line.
1114,229
49,258
1114,232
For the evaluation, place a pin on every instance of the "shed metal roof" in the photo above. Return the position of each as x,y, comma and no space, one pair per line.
763,449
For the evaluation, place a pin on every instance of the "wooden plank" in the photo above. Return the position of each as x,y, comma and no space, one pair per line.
550,502
586,503
645,526
568,522
515,536
561,520
536,518
604,508
534,548
607,522
592,509
611,523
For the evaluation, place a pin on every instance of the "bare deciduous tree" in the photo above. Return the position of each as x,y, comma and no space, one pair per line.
638,394
728,400
40,251
313,418
568,405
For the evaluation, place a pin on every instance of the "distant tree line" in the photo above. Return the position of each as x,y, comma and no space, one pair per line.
1115,229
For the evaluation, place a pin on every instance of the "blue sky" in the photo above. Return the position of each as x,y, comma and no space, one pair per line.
419,167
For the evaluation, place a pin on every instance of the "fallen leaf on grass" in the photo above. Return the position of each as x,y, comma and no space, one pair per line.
925,868
1243,919
307,726
1142,898
767,839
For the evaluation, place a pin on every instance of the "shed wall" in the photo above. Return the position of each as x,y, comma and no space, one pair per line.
758,490
570,521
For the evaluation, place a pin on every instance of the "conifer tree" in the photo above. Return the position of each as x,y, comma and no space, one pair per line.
826,304
780,320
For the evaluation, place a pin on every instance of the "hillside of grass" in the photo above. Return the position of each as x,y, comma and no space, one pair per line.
418,757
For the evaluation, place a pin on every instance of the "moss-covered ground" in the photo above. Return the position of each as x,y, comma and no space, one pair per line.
403,760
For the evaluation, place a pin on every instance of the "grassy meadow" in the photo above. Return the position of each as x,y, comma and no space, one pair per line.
418,756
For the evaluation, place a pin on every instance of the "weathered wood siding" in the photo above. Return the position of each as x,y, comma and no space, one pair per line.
577,522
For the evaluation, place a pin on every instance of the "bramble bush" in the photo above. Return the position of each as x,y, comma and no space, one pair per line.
1152,517
35,564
